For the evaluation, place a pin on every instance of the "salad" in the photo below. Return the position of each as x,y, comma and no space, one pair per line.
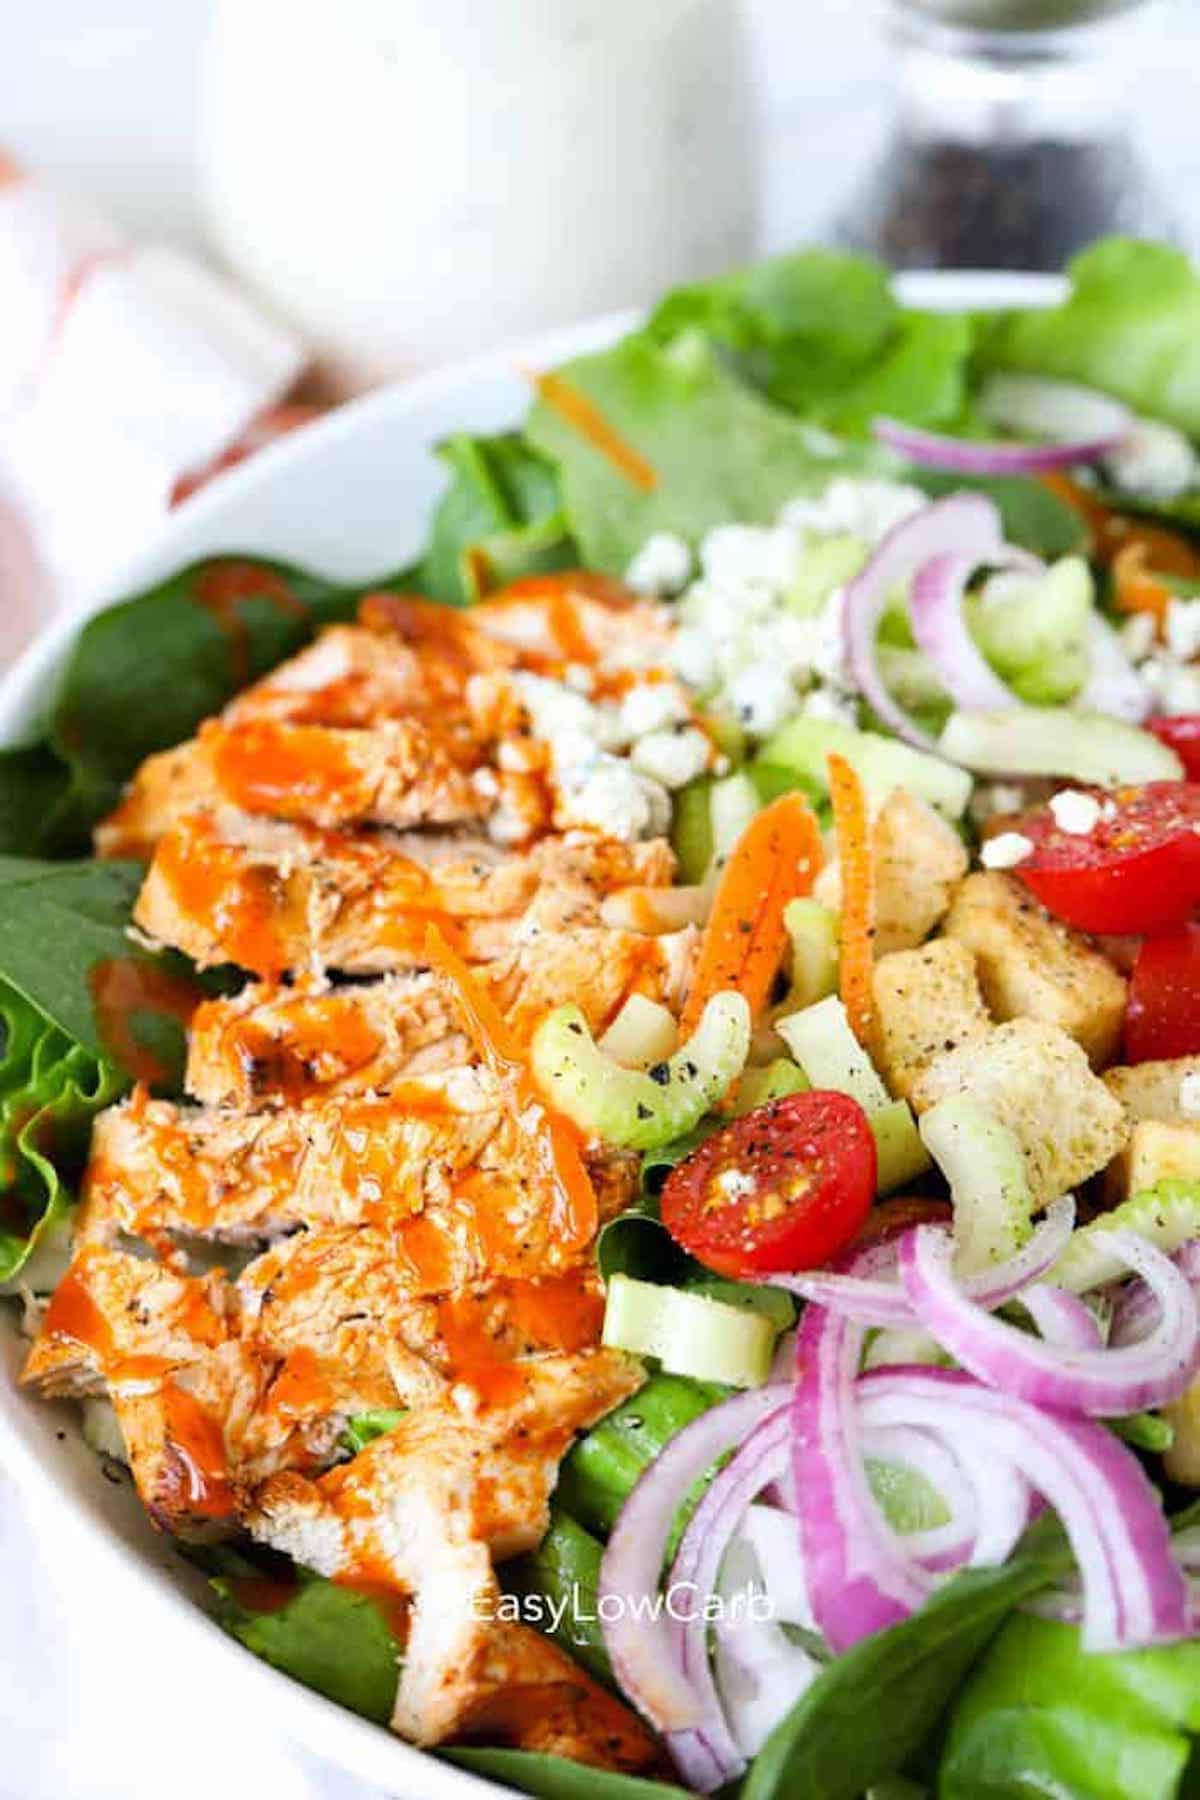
609,1128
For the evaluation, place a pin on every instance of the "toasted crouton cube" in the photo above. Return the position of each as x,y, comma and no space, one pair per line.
927,1002
1032,966
919,861
1154,1090
1158,1150
1182,1460
1037,1081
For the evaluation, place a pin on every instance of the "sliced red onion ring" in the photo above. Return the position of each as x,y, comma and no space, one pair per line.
884,1303
939,1547
969,456
642,1650
935,608
860,1577
964,525
708,1756
1135,1594
1061,1317
1138,1310
1101,1383
1113,686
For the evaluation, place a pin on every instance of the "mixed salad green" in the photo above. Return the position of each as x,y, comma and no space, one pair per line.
743,395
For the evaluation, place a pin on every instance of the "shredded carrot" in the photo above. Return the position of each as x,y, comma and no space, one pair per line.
776,859
585,417
499,1052
1136,588
852,826
1169,552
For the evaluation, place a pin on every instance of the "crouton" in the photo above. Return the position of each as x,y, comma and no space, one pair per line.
1158,1150
919,860
1032,966
1153,1090
1036,1080
927,1002
1182,1460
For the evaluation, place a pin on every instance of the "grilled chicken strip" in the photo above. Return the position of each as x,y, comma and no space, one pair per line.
449,1163
426,1508
225,887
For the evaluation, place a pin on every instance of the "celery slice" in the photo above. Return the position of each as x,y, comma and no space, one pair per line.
882,763
624,1106
820,1039
813,929
982,1162
758,1087
1166,1215
688,1333
900,1154
1033,629
643,1033
732,803
691,829
1084,747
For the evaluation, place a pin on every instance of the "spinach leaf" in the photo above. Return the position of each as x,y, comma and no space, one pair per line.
65,948
50,1091
1039,1716
330,1637
870,1710
560,1580
1130,325
718,450
500,517
144,673
1033,517
553,1778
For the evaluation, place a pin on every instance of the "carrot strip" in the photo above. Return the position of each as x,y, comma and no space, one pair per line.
852,826
1136,588
584,416
499,1052
776,859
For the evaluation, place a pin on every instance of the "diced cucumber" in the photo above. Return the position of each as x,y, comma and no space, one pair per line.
821,1040
1084,747
688,1333
882,763
813,929
758,1087
1033,629
624,1106
1167,1216
982,1162
827,564
901,1154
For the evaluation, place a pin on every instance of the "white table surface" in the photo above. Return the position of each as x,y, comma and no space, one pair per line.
99,93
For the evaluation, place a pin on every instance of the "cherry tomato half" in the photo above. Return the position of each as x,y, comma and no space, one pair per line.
1138,870
1162,1018
1182,735
784,1188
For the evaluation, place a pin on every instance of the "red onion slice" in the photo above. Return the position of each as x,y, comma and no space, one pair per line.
1101,1383
1138,1311
1135,1594
880,1302
642,1650
860,1577
964,525
1113,686
969,456
935,608
1062,1318
709,1756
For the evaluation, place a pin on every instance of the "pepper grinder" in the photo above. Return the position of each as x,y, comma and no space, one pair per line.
1008,148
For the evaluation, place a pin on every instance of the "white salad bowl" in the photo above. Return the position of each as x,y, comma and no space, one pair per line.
350,498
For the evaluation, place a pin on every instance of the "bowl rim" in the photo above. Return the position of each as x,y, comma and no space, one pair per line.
353,1744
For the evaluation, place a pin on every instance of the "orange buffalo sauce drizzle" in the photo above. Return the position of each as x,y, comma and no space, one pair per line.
123,986
200,1466
269,766
575,1200
556,1312
222,589
583,415
236,901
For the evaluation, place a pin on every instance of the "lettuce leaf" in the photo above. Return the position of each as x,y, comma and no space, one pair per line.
1130,326
50,1091
718,449
1039,1716
501,517
332,1638
553,1778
